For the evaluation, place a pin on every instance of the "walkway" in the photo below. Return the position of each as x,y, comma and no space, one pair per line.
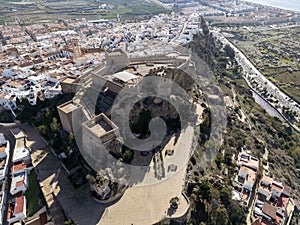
57,189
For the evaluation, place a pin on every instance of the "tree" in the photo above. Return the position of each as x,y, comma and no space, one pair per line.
220,216
229,52
71,138
127,156
174,202
204,26
205,127
141,126
236,214
219,160
18,102
91,179
42,129
54,125
47,113
205,189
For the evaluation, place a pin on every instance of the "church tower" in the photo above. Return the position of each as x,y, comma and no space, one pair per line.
76,48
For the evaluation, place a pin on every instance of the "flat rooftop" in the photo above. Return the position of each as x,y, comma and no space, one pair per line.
18,133
19,166
18,180
19,204
124,76
20,143
101,127
69,80
251,174
68,107
20,154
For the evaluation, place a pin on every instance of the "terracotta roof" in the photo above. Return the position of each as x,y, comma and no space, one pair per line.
277,187
38,61
19,166
270,210
283,201
19,205
26,64
264,221
278,219
20,183
13,83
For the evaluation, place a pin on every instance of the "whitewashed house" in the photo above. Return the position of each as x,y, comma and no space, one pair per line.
19,183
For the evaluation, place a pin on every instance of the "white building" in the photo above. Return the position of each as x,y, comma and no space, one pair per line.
19,183
51,92
21,153
7,73
9,102
37,79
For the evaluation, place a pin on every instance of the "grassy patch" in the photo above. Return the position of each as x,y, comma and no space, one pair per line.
121,10
34,195
36,11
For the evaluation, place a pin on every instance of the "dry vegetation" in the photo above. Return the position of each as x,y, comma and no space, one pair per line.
275,52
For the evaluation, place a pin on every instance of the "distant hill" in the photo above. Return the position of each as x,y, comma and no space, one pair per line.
31,11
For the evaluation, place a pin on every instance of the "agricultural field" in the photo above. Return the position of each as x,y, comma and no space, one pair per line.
275,53
45,10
